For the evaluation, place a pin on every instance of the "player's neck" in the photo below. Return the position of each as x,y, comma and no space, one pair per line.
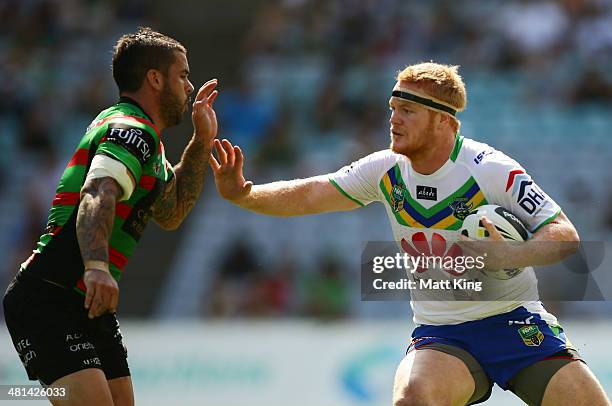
432,158
149,104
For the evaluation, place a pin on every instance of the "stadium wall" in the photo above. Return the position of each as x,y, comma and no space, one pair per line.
278,363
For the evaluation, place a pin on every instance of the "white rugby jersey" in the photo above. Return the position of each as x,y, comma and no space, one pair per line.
426,208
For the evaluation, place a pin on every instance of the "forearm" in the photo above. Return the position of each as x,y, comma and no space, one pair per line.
549,245
285,198
180,196
292,198
190,173
95,219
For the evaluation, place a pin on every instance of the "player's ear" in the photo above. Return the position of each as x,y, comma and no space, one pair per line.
155,79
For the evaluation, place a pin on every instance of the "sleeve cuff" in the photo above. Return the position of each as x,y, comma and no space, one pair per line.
548,220
333,182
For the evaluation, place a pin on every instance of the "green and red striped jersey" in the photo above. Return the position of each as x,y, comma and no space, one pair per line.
123,132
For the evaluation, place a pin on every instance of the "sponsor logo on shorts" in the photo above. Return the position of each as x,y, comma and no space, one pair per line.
75,336
23,344
25,352
28,356
531,335
92,361
81,346
526,321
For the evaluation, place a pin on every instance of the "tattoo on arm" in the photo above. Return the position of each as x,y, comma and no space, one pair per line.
95,218
182,191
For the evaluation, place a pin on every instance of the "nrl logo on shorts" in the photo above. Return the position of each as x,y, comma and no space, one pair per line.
156,168
397,197
531,335
461,208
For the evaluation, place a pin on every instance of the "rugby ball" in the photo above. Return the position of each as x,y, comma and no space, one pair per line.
508,225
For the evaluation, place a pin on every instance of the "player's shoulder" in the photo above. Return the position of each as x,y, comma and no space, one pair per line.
382,160
124,128
482,159
384,155
132,115
371,167
124,116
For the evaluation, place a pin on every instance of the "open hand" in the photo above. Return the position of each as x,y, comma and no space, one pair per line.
203,116
228,171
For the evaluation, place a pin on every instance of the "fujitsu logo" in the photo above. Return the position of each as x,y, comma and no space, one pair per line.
437,250
137,141
131,136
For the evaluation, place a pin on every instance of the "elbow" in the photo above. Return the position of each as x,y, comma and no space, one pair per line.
171,222
574,237
170,225
571,242
88,190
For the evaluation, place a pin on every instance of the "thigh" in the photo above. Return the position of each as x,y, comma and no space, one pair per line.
429,376
85,387
122,391
562,379
574,385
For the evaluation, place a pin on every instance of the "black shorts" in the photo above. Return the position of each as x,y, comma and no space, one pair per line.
53,335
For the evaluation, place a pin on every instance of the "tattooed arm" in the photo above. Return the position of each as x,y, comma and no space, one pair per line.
94,225
181,192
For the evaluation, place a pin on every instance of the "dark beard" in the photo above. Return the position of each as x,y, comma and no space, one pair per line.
171,107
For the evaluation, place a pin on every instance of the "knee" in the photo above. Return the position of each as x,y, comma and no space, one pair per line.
123,398
123,401
418,393
122,392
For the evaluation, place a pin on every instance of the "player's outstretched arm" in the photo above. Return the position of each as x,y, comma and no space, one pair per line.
182,191
285,198
94,225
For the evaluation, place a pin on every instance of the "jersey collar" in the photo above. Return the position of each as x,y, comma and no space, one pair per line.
443,170
129,100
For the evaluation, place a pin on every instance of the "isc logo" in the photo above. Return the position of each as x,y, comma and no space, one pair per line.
480,156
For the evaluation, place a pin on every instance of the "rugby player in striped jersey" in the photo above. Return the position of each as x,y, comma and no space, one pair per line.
60,308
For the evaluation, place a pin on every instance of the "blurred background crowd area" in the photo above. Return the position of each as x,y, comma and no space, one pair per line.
304,90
